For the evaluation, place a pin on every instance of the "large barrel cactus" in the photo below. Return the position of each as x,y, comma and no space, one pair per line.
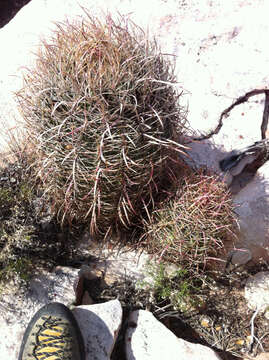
102,115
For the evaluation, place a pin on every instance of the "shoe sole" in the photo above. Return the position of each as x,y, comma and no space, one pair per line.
60,311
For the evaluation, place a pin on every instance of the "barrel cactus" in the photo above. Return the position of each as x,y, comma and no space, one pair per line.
102,114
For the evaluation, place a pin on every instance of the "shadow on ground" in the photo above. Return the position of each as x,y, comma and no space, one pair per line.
9,8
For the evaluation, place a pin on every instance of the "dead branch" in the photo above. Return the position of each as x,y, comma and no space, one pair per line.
241,100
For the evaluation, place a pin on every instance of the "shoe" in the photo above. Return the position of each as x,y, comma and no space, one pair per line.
52,334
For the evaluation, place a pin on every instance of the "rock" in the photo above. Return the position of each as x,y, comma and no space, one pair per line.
123,265
55,286
147,338
240,256
257,292
220,55
115,265
252,208
262,356
86,299
99,324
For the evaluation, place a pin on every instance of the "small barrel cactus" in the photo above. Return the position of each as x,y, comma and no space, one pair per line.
102,115
195,227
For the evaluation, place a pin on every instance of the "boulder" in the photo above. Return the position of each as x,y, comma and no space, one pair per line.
147,338
262,356
220,56
257,292
100,325
115,265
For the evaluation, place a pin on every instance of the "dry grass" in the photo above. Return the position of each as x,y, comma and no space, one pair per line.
192,228
102,114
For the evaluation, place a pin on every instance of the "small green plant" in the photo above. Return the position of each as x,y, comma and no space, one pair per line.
176,286
20,268
26,192
102,115
191,229
5,196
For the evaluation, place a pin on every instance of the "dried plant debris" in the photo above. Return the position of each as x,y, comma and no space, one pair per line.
241,100
225,322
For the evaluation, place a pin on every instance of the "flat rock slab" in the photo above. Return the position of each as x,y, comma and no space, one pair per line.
100,325
147,338
113,265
